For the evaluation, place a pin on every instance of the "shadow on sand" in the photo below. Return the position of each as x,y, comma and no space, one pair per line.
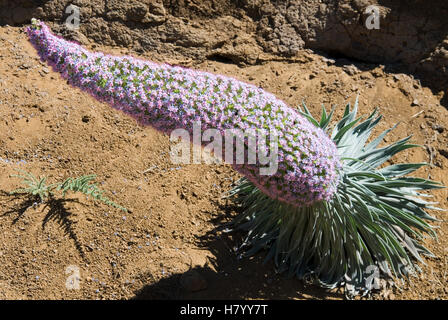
57,212
229,277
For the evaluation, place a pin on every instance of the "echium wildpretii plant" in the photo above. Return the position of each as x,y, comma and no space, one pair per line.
174,97
330,211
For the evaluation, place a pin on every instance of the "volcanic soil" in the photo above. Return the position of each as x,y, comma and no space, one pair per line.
167,246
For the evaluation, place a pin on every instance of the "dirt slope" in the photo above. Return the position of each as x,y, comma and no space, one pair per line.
51,129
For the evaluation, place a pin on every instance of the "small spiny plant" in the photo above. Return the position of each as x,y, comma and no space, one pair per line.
39,188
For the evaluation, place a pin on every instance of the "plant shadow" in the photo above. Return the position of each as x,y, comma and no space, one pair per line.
57,212
229,277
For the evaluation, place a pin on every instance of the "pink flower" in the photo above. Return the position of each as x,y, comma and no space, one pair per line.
172,97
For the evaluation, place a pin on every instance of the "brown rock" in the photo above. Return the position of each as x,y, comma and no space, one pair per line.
21,15
192,281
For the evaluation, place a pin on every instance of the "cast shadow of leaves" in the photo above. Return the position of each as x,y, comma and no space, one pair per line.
57,212
228,276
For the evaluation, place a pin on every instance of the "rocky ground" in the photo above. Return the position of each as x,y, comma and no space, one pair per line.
165,246
412,35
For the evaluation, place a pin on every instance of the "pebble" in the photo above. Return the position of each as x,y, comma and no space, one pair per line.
438,128
329,61
351,69
24,66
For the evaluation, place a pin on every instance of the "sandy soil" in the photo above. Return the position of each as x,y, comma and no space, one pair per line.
53,130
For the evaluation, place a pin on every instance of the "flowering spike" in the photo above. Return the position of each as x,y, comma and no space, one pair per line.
169,97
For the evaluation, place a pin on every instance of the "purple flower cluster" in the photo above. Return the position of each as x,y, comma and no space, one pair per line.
169,97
